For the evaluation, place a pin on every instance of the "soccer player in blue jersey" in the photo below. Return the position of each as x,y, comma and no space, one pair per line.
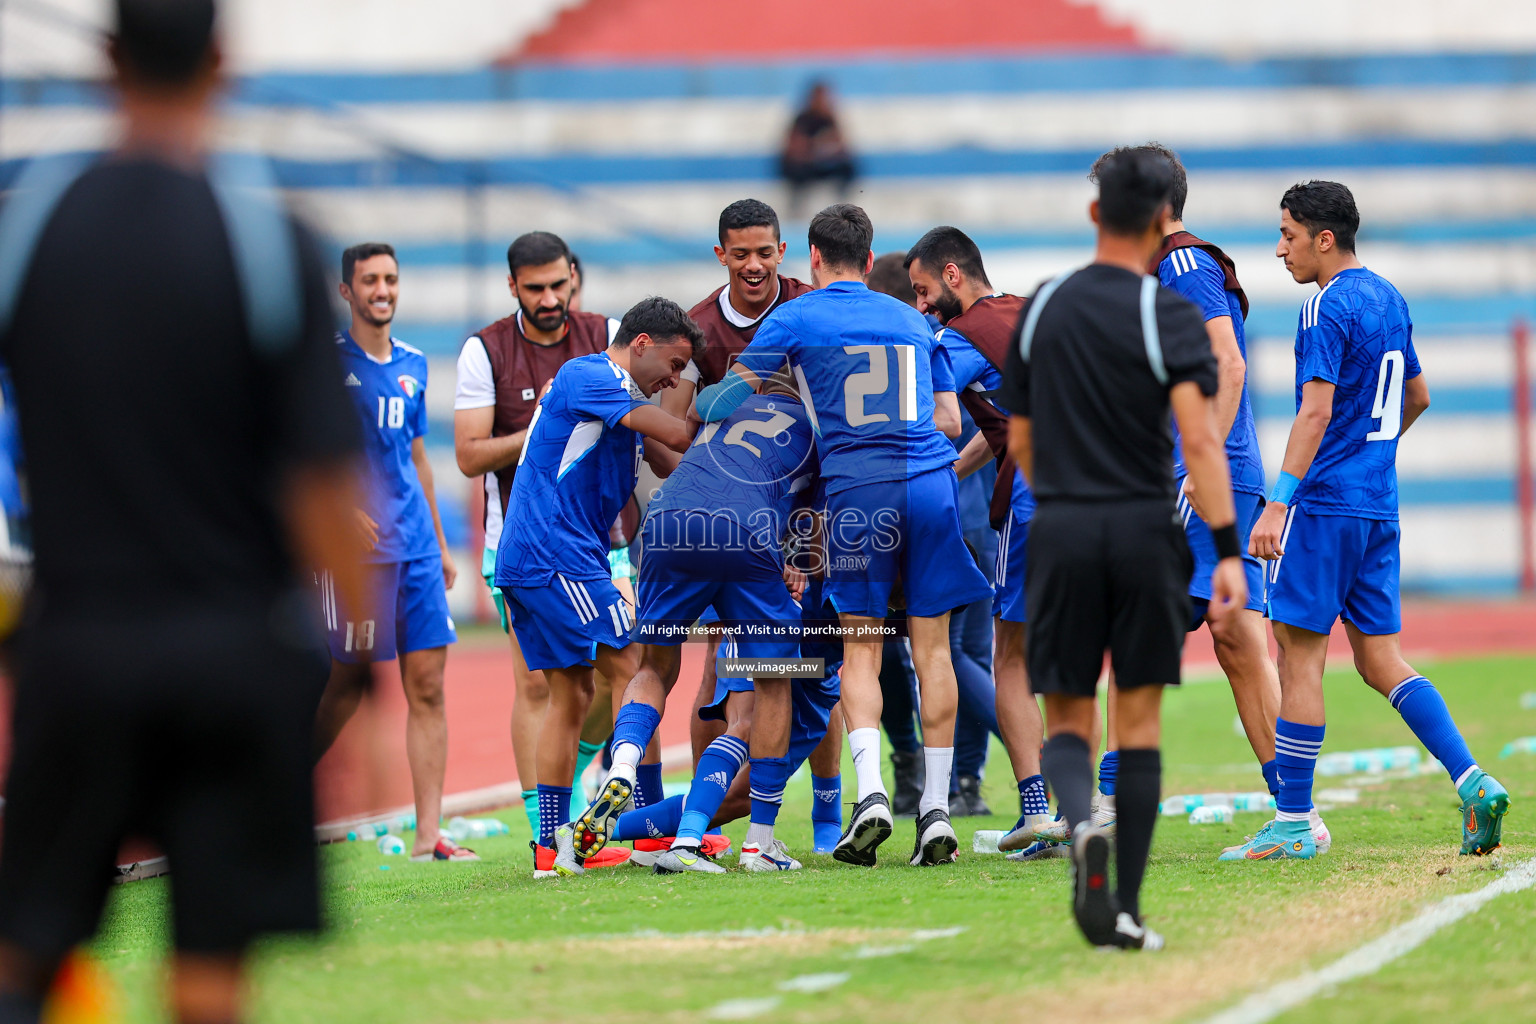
1330,530
713,539
865,365
1206,276
409,566
577,469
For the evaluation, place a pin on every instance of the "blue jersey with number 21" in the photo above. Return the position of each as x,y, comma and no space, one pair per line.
866,368
1357,335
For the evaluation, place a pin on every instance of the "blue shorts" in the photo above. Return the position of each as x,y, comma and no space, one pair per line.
811,708
1337,567
681,582
1008,587
900,530
1203,547
560,625
406,610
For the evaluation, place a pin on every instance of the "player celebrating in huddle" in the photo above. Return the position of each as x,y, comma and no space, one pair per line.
577,469
751,251
866,368
502,370
1330,530
950,281
409,565
713,539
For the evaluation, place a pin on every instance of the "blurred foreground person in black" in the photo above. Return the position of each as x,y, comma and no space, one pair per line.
188,448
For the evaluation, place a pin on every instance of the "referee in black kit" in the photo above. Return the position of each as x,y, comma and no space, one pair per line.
188,446
1100,355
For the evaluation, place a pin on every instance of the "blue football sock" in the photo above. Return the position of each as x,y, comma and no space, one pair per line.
1424,710
1109,766
717,768
531,808
826,800
769,777
1296,750
1271,776
648,787
1032,799
585,752
653,822
554,801
636,723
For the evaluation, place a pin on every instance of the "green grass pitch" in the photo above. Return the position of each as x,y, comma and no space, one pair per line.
983,940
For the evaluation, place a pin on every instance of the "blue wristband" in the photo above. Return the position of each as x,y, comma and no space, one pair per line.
1285,488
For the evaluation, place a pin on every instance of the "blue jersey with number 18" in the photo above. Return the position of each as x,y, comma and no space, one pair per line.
866,369
1357,335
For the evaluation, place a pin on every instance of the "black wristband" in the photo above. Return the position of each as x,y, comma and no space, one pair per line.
1227,545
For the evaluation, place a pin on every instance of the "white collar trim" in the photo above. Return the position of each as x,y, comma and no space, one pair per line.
729,311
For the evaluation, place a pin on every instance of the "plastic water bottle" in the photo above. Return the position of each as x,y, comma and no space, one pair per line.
1523,745
391,846
1528,701
369,831
1252,802
1212,816
476,828
986,839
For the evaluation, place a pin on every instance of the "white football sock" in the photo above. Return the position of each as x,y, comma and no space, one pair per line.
1467,775
760,836
938,761
625,757
865,744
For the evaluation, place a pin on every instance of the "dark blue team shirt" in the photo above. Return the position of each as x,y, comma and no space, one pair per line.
754,467
866,366
578,468
391,403
1195,274
1357,335
973,371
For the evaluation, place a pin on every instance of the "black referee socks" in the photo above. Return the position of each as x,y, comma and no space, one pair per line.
1138,788
1064,763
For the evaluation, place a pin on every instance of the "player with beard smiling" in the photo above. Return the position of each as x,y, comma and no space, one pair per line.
502,371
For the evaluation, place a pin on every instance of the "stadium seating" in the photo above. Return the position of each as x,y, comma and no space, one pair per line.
632,162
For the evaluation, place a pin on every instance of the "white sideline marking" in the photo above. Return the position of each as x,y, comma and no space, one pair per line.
871,952
1373,956
742,1009
813,982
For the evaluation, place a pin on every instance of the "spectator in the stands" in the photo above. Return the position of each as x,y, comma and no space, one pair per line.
816,149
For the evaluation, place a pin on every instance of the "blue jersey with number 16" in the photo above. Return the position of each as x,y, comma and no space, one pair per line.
866,369
1357,335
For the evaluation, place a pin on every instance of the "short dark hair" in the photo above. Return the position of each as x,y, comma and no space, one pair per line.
662,319
889,276
535,249
353,255
164,41
942,246
1135,183
844,234
748,213
1180,193
1324,206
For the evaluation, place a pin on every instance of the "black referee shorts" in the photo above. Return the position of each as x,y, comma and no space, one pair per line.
195,732
1106,576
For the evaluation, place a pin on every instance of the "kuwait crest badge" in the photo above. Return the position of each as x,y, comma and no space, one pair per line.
410,385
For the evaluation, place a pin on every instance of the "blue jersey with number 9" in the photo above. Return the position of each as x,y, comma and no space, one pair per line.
866,369
1357,335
